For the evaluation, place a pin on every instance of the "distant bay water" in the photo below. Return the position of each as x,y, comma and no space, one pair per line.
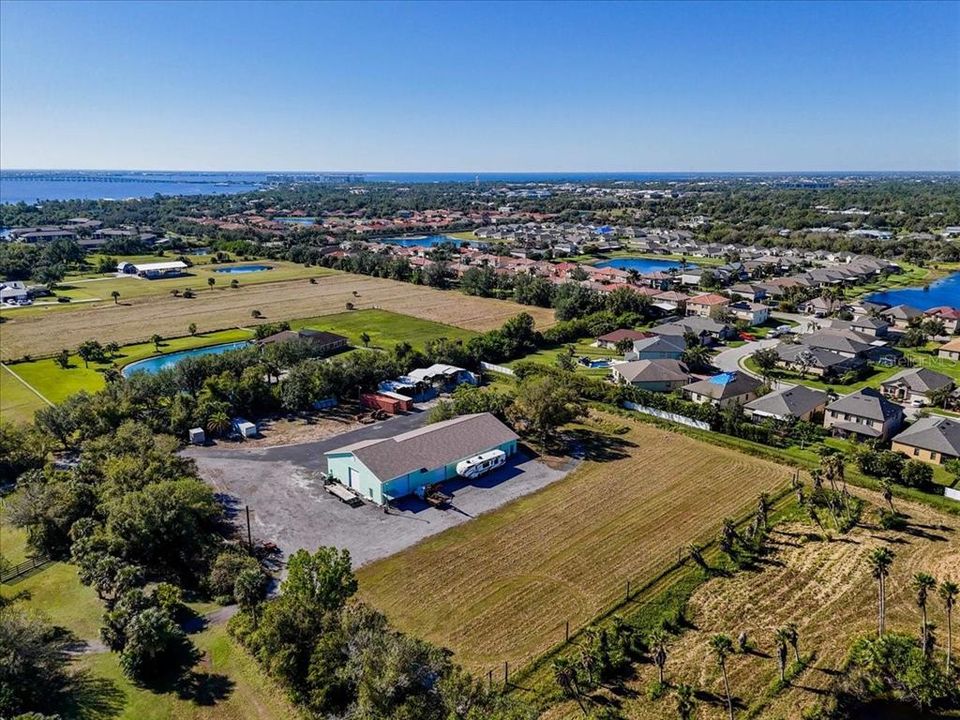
33,186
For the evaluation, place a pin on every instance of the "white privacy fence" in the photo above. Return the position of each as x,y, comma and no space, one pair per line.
952,494
497,368
664,415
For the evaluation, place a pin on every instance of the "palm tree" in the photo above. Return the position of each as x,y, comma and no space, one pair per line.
686,701
658,644
923,585
218,423
880,560
156,339
566,676
192,327
948,593
365,339
722,647
793,637
116,297
887,493
782,637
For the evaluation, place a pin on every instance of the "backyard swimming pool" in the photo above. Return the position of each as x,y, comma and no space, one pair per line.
238,269
164,362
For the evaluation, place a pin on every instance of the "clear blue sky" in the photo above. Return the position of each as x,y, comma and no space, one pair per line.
480,87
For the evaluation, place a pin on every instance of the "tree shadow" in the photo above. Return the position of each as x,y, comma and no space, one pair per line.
203,688
92,698
600,447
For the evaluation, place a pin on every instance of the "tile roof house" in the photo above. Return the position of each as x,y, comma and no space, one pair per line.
708,305
652,375
865,413
723,390
325,342
949,315
933,439
796,403
901,315
914,384
950,350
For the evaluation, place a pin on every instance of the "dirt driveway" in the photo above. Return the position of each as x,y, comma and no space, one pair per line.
289,507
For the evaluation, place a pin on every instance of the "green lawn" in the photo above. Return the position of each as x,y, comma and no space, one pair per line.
926,356
56,384
17,402
876,376
385,328
582,348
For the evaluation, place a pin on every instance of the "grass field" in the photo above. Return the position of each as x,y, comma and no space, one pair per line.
825,588
45,331
501,587
582,348
386,329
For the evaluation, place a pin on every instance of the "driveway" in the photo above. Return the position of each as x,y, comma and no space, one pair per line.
729,360
289,507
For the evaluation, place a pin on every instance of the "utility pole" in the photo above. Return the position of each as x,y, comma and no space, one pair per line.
249,536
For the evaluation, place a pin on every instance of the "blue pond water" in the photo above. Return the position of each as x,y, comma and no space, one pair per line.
297,220
942,292
643,265
239,269
421,240
164,362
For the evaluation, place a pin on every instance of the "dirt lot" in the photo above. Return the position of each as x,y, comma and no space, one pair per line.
501,587
137,319
290,507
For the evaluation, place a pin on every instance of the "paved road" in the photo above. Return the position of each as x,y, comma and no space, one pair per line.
729,360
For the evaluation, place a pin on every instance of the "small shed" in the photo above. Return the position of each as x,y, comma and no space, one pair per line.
197,436
389,402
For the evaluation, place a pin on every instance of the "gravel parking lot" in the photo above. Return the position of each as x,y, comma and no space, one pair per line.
289,507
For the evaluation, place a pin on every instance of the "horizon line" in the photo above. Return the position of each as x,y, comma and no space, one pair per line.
485,172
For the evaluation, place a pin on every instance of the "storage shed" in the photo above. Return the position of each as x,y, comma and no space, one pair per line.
386,469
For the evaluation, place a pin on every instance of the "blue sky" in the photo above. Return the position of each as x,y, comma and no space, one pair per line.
480,87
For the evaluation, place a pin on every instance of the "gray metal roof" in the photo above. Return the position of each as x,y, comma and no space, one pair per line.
940,434
430,447
724,385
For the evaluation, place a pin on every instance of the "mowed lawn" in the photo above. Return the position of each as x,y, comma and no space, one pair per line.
57,384
385,328
43,331
501,587
17,402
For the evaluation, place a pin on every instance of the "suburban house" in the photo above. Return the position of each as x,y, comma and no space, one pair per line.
658,347
382,470
950,350
707,329
949,315
818,307
914,385
750,312
326,343
817,361
869,325
900,316
708,305
14,291
723,390
796,403
612,339
152,271
865,413
933,439
652,375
